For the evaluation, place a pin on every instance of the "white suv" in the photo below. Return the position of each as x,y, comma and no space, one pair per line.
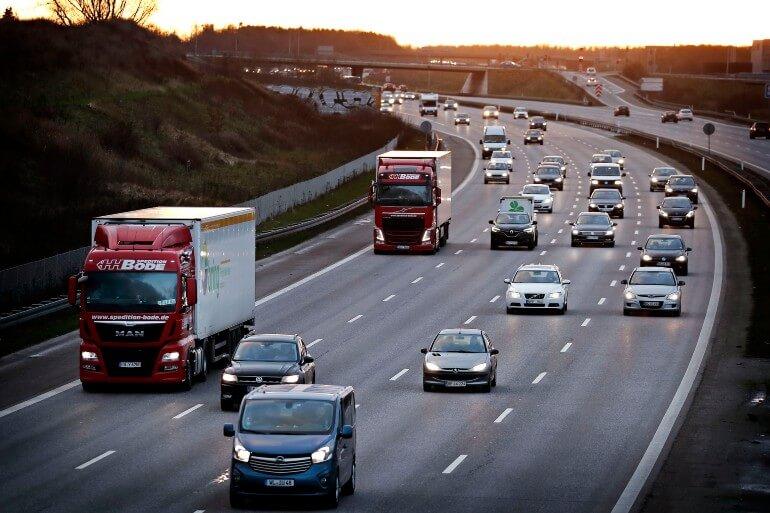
520,112
684,115
537,286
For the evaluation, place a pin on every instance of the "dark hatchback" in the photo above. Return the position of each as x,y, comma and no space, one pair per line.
622,110
593,228
676,211
669,117
538,122
265,360
294,440
513,230
549,175
662,250
460,358
659,177
607,200
533,137
759,129
682,185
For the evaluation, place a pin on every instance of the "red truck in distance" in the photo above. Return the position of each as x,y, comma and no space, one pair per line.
412,199
163,293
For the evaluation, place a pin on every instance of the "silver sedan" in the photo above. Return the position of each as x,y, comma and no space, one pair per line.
652,289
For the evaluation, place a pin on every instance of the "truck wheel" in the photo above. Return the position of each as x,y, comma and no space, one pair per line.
89,387
201,378
189,376
444,236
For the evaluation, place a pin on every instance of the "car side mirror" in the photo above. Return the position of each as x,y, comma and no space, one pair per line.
228,430
624,282
658,207
688,249
695,207
566,282
192,291
572,223
639,248
649,175
72,290
308,359
622,174
681,283
491,222
614,224
507,280
346,431
494,351
534,223
481,141
622,197
509,141
424,350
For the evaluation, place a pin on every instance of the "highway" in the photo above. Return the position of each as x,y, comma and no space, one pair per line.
578,400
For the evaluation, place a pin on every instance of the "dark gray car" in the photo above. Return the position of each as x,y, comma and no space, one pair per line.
661,250
659,177
593,228
460,358
682,185
676,211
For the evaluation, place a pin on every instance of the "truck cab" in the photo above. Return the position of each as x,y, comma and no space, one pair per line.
494,138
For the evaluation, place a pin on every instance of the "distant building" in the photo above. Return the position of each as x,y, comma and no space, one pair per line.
760,56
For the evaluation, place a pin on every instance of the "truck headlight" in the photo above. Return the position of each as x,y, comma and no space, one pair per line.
379,235
681,258
229,378
89,356
555,295
690,213
629,295
239,451
426,235
321,455
291,378
173,356
432,366
479,367
674,296
646,258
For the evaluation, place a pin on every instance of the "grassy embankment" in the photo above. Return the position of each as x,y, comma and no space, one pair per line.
727,96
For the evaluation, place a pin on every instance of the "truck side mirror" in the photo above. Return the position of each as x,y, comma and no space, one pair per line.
192,291
72,290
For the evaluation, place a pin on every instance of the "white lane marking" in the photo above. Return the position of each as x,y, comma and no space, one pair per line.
458,251
543,252
613,283
572,213
188,410
539,378
399,374
470,319
354,319
199,511
628,254
38,398
638,223
622,268
560,230
455,464
566,347
601,301
417,280
502,416
315,342
585,323
474,240
553,241
636,232
638,214
307,248
639,207
388,298
94,460
486,230
633,243
439,265
494,299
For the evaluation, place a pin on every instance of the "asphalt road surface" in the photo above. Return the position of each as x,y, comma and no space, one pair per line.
578,399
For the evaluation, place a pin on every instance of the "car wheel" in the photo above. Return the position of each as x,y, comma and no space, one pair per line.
426,387
350,486
626,311
685,270
487,387
509,310
561,310
531,246
550,210
494,380
611,244
508,181
574,243
678,312
692,225
660,224
652,189
89,387
541,143
236,501
621,216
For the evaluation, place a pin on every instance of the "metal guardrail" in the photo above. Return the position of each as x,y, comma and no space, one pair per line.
39,309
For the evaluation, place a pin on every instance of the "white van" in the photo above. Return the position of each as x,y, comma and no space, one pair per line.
494,138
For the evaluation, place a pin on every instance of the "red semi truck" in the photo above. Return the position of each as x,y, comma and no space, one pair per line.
163,293
412,198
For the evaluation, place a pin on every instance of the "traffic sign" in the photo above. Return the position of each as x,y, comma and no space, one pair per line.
598,89
709,128
426,127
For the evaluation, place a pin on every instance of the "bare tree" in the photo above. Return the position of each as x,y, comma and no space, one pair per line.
74,12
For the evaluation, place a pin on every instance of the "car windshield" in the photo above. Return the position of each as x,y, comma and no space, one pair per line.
266,351
428,103
122,291
535,189
520,109
458,343
668,243
682,202
501,154
601,158
613,153
762,126
605,171
403,194
528,276
490,107
509,218
613,195
652,278
462,116
548,171
497,165
537,119
597,219
560,160
663,171
533,133
681,180
288,416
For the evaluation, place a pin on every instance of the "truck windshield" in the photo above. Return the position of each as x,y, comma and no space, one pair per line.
401,194
131,291
494,138
288,416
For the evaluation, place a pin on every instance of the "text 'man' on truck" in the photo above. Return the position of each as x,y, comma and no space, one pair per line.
412,199
164,292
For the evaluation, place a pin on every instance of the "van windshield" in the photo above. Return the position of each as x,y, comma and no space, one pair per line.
288,416
494,138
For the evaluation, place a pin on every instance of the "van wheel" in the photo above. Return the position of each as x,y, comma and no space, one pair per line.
333,498
236,501
350,486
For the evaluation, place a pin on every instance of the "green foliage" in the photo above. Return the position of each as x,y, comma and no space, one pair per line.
533,83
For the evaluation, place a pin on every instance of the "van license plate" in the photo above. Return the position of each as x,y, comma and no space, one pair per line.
283,483
130,365
455,383
402,247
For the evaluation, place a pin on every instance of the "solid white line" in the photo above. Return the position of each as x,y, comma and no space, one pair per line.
388,298
543,252
417,280
354,319
399,374
486,230
601,301
613,283
585,323
188,410
315,342
494,299
474,240
94,460
439,265
458,251
470,319
622,268
38,398
566,347
455,464
199,511
539,378
502,416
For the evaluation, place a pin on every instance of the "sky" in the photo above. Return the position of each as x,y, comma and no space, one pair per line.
571,23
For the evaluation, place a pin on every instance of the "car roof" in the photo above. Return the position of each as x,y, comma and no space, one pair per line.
648,269
553,157
680,175
251,337
603,214
326,392
538,267
605,189
602,154
460,331
664,236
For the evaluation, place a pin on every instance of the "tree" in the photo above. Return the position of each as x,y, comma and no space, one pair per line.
9,15
75,12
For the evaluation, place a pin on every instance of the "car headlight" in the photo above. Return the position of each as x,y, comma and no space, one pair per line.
681,258
89,356
595,182
548,200
663,213
609,232
629,295
539,137
321,455
239,451
379,235
537,178
229,378
619,205
563,168
479,367
290,378
489,174
618,182
426,236
690,213
495,228
555,295
432,366
497,113
487,148
575,232
173,356
674,296
558,179
531,229
514,294
653,179
621,161
694,189
592,205
646,258
669,189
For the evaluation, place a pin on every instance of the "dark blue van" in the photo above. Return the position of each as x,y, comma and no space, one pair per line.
297,440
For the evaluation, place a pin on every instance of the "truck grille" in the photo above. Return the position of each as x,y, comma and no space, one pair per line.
122,332
280,465
146,358
403,230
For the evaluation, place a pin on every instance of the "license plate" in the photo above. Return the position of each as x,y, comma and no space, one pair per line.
402,247
534,301
593,237
130,365
663,264
511,242
651,303
677,218
455,383
284,483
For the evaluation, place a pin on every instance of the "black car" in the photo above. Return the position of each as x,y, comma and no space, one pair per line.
669,117
607,200
593,228
294,441
538,122
682,185
622,110
549,175
460,358
659,177
759,129
662,250
513,229
676,211
265,359
533,137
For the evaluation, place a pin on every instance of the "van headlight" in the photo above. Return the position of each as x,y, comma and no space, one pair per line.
479,367
239,451
321,455
291,378
432,366
379,235
229,378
